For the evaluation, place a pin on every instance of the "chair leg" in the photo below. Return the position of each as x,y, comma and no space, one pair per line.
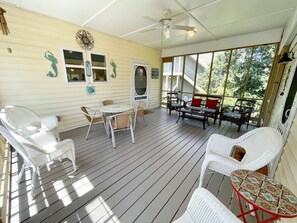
112,139
73,158
135,120
34,170
132,134
21,174
88,130
202,174
106,128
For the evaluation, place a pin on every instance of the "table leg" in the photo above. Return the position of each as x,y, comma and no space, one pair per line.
254,209
178,117
241,209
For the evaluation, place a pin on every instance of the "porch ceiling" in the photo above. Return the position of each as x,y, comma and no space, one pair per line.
127,19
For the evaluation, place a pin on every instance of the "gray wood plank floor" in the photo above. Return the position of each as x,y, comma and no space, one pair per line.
149,181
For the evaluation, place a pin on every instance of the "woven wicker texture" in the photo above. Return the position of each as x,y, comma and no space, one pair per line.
204,207
262,145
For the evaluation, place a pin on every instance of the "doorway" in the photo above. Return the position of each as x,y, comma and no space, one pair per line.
140,81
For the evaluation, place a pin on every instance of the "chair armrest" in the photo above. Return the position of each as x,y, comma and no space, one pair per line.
49,122
227,108
219,144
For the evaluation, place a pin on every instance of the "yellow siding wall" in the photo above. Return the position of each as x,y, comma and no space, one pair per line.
23,79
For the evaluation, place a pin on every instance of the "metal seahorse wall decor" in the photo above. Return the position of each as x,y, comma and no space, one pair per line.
114,71
48,55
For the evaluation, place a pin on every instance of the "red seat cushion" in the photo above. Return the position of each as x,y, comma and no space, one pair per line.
196,102
211,103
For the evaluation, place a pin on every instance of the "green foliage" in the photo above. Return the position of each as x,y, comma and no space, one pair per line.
237,86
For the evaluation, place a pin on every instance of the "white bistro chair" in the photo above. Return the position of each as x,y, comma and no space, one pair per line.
262,145
138,110
120,122
93,117
204,207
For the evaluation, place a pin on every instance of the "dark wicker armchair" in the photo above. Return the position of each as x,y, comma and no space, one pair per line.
174,102
240,113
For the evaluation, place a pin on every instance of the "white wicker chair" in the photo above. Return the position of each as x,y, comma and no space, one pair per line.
138,110
262,145
120,122
36,145
22,118
204,207
38,150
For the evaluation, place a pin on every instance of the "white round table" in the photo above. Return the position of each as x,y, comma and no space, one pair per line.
115,108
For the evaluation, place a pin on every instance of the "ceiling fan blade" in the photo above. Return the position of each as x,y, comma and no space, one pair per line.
150,19
187,28
179,18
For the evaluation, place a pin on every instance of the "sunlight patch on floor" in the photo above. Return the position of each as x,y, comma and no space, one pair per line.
82,186
98,207
62,192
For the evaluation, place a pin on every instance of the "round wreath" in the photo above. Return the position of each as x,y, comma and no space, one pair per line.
84,39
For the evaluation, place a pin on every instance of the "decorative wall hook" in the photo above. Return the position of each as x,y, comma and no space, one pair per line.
3,23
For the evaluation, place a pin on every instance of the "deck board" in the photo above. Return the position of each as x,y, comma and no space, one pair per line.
149,181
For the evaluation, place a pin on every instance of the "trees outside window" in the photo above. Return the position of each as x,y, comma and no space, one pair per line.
234,73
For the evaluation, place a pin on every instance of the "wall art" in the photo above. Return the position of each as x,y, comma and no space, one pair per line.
90,89
114,69
88,68
49,55
155,73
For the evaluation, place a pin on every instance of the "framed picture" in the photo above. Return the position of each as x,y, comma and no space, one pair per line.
155,73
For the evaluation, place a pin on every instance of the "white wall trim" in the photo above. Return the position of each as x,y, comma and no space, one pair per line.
270,36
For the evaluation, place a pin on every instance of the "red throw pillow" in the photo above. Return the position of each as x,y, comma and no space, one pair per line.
211,103
196,102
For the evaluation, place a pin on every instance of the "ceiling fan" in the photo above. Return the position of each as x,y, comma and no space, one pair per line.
167,23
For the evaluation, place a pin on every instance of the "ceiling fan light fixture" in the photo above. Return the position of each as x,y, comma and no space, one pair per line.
191,33
166,33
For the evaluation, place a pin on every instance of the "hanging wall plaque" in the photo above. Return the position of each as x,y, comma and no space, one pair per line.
90,89
88,68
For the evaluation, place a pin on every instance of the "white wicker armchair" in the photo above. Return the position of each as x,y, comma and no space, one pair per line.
204,207
34,141
25,120
38,150
262,145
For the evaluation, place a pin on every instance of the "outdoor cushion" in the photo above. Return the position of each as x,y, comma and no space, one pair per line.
210,103
196,102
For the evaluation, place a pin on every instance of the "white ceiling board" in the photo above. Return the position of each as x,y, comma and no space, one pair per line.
191,4
270,36
74,11
129,15
230,11
251,26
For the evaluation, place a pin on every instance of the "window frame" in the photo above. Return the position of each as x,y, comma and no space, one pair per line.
97,67
65,65
86,57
